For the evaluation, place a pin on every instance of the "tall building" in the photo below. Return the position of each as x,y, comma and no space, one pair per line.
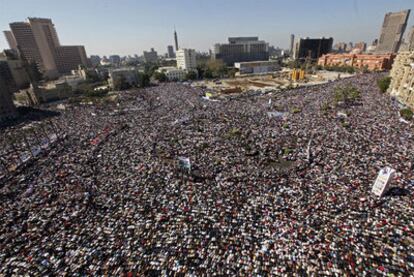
241,49
38,42
410,39
10,39
7,108
186,59
151,56
392,32
402,78
292,44
176,40
17,69
312,48
68,58
170,51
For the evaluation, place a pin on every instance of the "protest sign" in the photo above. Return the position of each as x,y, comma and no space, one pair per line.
383,181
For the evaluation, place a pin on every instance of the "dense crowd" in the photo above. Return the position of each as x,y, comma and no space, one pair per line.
266,195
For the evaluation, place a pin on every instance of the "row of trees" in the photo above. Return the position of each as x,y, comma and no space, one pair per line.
142,80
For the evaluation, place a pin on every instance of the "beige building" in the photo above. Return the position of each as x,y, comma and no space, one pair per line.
10,39
402,78
38,42
186,59
410,39
392,32
173,73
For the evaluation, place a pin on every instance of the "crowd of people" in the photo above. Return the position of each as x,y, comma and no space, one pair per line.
263,195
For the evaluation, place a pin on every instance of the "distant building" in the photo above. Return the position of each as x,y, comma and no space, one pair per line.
38,42
392,32
173,73
361,46
94,60
128,74
241,49
186,59
114,59
7,108
275,52
151,56
402,78
170,52
10,39
371,62
312,48
341,47
263,67
292,44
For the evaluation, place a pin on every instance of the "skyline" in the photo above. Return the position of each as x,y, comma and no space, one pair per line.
127,27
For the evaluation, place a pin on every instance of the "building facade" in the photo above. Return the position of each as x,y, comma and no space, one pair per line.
68,58
410,39
170,51
264,67
38,42
371,62
173,73
150,56
312,48
292,44
241,49
186,59
392,32
10,39
402,78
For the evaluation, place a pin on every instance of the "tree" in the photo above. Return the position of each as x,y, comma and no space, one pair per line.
347,94
232,73
217,67
208,74
384,84
150,68
407,114
191,75
121,83
143,79
160,76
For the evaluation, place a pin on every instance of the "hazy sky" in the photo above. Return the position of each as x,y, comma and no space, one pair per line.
131,26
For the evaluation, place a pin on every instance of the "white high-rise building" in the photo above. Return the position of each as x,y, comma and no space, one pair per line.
186,59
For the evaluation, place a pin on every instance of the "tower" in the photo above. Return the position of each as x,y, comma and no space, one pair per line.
175,40
292,41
